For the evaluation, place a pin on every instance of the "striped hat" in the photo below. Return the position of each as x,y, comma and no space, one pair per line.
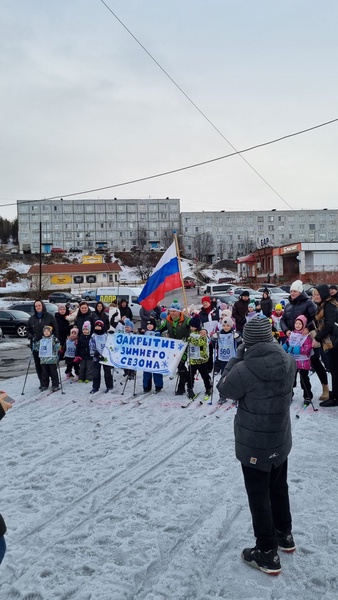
256,331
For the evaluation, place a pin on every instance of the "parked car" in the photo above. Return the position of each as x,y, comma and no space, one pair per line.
229,299
63,297
58,250
238,291
28,307
89,294
275,291
189,283
75,250
14,322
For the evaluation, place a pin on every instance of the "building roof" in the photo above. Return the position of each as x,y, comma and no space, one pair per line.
75,269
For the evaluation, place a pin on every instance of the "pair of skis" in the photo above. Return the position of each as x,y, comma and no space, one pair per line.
201,401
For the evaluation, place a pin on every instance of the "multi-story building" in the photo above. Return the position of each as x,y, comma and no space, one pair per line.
231,234
143,224
101,224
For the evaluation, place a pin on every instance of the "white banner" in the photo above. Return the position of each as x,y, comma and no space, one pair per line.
143,353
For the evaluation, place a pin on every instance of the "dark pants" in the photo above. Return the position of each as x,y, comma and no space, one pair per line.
69,366
183,376
86,369
37,364
318,367
333,365
2,548
204,372
107,373
304,383
147,381
49,371
269,504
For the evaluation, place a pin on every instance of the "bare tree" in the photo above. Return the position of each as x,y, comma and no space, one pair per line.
141,241
144,266
203,246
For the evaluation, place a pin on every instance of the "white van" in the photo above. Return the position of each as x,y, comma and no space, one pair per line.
216,288
115,294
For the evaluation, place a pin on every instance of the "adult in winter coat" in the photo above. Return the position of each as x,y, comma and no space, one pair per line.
84,314
144,316
37,321
63,324
325,318
266,304
300,304
4,407
261,381
239,311
101,315
125,309
177,326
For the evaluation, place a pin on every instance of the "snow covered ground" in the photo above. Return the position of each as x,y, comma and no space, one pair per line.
112,501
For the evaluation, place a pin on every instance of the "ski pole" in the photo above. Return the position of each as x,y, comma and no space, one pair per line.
58,364
134,393
29,364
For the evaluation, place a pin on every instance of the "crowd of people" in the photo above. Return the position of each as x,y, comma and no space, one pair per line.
257,348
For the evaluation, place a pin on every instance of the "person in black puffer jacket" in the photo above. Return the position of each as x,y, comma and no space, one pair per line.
239,311
326,317
266,303
64,326
35,326
261,381
125,309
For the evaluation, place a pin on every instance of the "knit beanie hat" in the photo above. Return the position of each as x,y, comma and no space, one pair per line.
206,299
296,286
303,319
323,290
175,306
86,325
251,305
151,322
244,293
278,307
195,321
228,321
99,323
48,328
128,323
163,314
257,330
333,287
74,331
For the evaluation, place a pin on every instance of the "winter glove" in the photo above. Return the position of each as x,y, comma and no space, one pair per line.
240,351
77,359
295,350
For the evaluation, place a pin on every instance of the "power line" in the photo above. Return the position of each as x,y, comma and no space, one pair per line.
185,168
194,104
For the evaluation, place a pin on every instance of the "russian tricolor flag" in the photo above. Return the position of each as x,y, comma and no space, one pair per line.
165,277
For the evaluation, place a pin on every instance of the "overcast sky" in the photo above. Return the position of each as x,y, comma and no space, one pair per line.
82,106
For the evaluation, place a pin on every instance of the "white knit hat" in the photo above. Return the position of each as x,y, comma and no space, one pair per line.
296,286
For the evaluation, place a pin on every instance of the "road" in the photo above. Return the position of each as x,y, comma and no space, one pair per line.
15,352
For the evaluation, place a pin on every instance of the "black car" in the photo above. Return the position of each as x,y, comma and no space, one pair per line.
75,250
14,322
28,307
63,297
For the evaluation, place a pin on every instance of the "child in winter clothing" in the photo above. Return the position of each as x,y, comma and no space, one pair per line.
147,377
198,356
97,343
48,348
251,311
300,346
227,342
129,330
83,356
258,308
276,316
69,355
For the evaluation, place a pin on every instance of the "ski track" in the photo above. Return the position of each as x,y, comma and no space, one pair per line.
112,533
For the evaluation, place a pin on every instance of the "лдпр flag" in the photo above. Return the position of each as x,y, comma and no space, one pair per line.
165,277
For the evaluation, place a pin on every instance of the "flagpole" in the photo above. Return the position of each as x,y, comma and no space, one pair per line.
181,274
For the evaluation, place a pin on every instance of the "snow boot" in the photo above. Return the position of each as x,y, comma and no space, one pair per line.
325,393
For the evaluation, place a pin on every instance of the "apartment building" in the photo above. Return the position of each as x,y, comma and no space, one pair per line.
91,225
119,225
236,233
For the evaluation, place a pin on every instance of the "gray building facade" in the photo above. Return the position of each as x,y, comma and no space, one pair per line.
89,225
